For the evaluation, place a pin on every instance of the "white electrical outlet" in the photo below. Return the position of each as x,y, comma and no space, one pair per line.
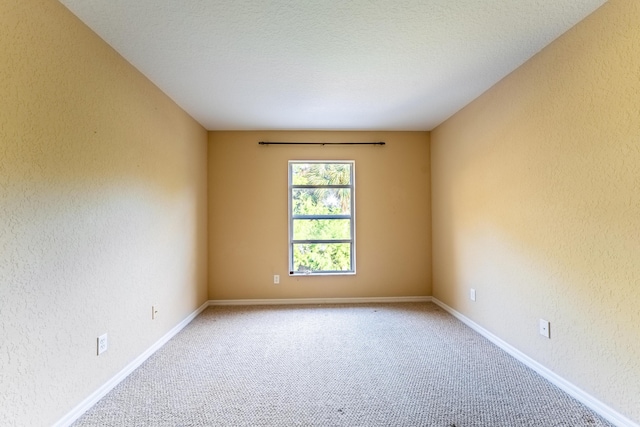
154,312
276,279
472,294
545,328
102,344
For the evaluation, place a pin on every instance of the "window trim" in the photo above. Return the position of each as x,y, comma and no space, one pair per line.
351,217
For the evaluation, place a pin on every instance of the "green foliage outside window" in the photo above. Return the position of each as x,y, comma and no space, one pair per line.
325,256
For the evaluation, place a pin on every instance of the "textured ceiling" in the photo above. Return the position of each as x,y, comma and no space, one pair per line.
327,64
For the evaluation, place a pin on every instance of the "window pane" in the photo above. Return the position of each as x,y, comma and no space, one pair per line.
321,229
321,174
321,257
321,201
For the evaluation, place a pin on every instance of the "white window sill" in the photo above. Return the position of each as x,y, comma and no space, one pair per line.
338,273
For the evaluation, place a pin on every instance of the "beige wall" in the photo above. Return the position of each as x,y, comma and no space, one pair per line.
248,215
536,205
102,212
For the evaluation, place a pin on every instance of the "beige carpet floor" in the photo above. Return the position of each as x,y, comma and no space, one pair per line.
409,364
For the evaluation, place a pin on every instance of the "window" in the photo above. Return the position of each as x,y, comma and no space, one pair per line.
321,217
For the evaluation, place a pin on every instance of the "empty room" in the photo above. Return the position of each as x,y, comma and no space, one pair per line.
330,213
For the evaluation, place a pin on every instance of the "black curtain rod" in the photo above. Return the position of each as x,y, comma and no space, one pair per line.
320,143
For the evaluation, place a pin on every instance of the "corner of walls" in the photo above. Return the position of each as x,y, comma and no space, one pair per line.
429,217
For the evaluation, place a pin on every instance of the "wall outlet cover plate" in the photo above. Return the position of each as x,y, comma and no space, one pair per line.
545,328
102,344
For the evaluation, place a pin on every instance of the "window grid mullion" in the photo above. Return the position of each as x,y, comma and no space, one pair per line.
313,187
321,217
320,241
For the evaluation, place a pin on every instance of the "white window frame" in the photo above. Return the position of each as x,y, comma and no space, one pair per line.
351,217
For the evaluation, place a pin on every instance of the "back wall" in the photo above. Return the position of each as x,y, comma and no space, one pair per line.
248,215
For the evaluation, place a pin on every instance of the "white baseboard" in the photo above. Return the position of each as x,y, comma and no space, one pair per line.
92,399
583,397
300,301
589,401
86,404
